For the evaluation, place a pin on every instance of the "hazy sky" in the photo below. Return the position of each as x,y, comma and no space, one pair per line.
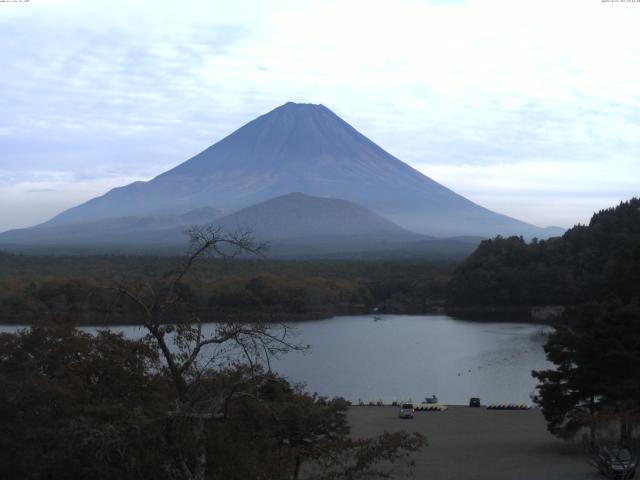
528,107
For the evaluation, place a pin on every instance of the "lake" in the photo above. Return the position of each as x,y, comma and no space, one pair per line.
401,357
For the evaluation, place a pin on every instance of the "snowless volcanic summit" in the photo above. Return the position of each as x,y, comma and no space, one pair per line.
302,148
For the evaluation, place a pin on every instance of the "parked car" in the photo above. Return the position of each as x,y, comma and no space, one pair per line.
406,410
616,463
474,402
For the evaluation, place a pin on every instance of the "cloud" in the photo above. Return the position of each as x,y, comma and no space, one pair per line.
40,190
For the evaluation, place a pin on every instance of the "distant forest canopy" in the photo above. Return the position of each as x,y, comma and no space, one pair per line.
589,263
34,287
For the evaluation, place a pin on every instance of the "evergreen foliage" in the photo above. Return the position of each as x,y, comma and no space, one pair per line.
596,376
588,263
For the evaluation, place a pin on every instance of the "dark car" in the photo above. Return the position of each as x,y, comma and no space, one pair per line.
616,463
474,402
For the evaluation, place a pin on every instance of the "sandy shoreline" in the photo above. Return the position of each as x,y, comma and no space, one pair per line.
479,444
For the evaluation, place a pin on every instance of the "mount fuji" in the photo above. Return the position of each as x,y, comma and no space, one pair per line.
302,148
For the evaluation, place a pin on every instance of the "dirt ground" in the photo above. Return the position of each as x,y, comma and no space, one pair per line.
479,444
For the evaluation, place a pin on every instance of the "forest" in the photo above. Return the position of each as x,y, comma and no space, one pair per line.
80,287
594,262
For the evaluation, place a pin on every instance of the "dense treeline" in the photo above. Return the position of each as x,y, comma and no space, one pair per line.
588,263
33,287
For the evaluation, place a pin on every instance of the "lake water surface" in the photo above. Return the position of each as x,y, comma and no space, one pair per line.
409,357
399,357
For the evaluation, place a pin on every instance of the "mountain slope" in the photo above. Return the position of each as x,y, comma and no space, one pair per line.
300,217
296,222
118,231
294,225
302,148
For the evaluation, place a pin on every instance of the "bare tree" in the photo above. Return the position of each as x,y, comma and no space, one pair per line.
191,352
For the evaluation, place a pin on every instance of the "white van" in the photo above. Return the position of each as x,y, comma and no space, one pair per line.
407,410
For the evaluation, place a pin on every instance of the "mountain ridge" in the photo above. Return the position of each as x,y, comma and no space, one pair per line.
307,148
297,215
295,225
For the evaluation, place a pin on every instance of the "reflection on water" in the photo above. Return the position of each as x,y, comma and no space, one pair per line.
398,357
